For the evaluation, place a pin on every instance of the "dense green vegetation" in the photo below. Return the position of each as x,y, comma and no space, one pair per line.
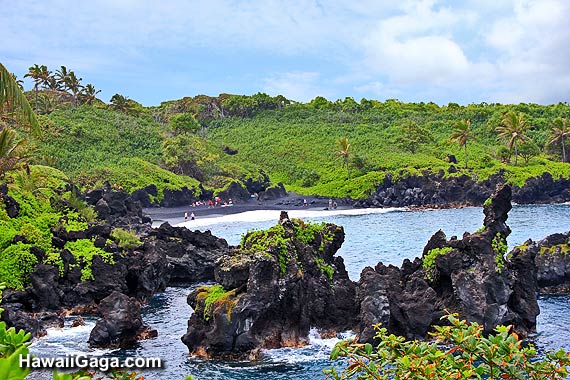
460,351
341,148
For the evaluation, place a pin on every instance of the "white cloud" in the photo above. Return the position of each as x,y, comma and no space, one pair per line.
299,86
479,50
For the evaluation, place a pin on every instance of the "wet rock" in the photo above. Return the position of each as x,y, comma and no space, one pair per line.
273,297
120,324
552,260
78,322
472,276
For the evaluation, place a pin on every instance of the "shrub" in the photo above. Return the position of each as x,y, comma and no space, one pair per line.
125,239
83,250
429,260
16,265
460,351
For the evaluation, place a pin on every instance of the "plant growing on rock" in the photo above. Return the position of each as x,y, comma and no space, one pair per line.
429,260
459,351
126,239
500,247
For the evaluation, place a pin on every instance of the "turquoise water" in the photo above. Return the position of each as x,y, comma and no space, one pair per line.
378,236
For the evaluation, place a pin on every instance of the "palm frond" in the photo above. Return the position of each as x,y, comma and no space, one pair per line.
13,100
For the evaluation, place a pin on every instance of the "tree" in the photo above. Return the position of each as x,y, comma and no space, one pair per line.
121,103
512,130
460,351
89,94
528,150
461,134
73,84
40,75
19,82
184,123
344,153
12,150
412,136
560,131
14,103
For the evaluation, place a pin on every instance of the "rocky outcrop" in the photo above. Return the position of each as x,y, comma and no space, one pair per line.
166,256
191,255
272,193
436,190
471,276
272,291
552,261
10,204
121,323
236,192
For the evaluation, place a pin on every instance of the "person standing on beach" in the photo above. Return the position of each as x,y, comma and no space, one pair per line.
305,204
192,216
186,216
330,204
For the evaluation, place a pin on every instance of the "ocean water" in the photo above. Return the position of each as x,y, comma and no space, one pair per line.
371,236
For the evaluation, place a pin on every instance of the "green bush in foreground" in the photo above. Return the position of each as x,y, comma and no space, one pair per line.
459,351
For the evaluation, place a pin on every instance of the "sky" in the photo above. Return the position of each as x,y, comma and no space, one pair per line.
471,51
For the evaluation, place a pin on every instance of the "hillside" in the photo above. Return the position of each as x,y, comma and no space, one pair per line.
237,136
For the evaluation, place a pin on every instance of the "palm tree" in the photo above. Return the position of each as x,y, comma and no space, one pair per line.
121,103
513,129
19,82
34,72
344,153
11,150
461,134
13,101
61,77
560,131
89,93
74,85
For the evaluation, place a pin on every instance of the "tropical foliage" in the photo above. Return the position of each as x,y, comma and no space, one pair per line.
512,130
459,351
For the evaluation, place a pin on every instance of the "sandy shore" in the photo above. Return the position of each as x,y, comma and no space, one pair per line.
175,215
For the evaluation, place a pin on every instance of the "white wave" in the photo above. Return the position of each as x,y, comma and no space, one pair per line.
318,349
268,215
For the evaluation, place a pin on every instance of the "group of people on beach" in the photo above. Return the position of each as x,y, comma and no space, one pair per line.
212,203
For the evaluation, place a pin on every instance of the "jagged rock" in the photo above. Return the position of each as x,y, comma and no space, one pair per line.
121,322
78,322
229,151
44,281
470,276
258,185
236,192
191,255
174,198
295,284
435,190
272,193
552,261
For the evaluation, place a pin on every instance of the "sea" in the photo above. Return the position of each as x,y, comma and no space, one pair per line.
372,235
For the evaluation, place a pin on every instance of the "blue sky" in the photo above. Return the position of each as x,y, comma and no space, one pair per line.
443,51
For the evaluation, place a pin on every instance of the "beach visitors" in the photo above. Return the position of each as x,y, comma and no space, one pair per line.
192,216
330,203
210,204
230,202
305,204
185,216
335,205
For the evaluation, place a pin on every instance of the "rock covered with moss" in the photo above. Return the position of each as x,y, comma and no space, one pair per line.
72,264
552,260
280,283
472,276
